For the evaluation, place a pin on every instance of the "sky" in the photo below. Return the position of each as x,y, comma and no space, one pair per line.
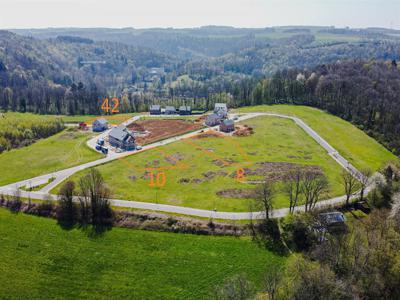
191,13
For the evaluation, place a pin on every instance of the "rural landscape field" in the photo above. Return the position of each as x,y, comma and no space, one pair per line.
200,150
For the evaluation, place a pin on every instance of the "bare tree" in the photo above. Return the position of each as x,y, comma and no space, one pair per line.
95,205
264,195
272,279
364,181
292,187
312,187
350,184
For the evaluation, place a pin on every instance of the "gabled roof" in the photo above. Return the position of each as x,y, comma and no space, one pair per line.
228,122
170,108
213,117
220,105
155,107
332,217
102,121
120,133
185,108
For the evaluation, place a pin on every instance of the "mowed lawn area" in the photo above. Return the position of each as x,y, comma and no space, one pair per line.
356,146
39,260
201,172
65,149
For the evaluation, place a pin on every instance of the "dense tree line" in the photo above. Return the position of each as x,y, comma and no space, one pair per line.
18,131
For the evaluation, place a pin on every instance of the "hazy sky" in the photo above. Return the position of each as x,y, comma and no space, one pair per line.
194,13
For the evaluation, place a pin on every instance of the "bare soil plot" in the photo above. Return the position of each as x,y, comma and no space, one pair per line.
150,131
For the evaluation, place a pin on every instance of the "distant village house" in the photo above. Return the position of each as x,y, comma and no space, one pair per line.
185,110
121,137
227,126
100,125
221,109
213,120
170,110
155,110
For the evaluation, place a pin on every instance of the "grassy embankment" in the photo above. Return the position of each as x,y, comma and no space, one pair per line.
39,260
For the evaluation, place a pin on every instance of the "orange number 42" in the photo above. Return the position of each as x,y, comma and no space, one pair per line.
106,105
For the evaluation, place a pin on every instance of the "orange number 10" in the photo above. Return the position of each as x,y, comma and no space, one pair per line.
159,181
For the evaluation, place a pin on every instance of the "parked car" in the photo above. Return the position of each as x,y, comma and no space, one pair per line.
104,150
138,147
98,147
100,142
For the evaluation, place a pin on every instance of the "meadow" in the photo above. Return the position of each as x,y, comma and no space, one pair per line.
39,260
203,172
356,146
60,151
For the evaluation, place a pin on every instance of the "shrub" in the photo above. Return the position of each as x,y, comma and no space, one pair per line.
298,231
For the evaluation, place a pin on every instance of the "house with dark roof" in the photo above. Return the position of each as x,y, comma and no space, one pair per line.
213,120
121,137
100,125
155,110
221,109
227,126
170,110
185,110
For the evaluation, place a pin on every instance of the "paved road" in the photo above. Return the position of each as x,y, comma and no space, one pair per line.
62,175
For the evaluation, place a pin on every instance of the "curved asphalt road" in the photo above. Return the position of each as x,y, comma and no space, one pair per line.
60,176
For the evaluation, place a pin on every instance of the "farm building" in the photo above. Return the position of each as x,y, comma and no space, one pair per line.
155,110
170,110
185,110
227,126
100,125
221,109
122,138
213,120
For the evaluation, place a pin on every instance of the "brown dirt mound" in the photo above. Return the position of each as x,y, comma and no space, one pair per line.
276,171
243,130
205,135
162,129
236,193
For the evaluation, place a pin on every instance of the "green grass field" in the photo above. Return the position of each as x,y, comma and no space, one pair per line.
195,172
39,260
115,119
356,146
63,150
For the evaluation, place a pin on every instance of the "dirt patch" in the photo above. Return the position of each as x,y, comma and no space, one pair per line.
174,158
243,130
223,162
209,134
150,131
236,193
276,171
210,174
68,136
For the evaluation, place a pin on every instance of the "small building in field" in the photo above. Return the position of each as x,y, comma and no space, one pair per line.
121,137
170,110
185,110
213,120
155,110
83,126
227,126
100,125
332,221
221,109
